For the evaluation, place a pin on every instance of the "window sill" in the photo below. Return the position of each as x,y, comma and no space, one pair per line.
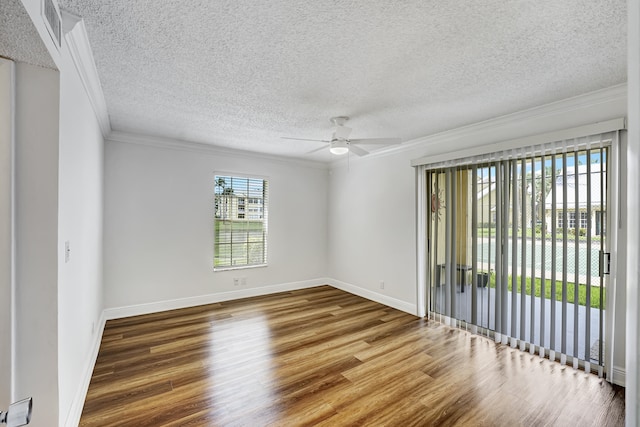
240,267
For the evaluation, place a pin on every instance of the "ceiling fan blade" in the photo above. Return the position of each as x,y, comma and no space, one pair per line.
342,132
316,150
304,139
357,150
381,141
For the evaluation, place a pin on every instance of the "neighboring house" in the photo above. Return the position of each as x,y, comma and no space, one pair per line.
578,217
486,201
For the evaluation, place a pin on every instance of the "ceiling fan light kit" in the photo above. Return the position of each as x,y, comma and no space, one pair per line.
339,147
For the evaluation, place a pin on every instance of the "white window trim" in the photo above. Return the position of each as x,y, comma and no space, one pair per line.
266,219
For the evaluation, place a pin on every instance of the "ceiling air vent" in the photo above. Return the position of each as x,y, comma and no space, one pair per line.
52,20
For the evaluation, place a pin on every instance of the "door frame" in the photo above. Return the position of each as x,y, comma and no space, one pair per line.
7,228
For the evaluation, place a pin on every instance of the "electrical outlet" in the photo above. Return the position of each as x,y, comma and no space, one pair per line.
93,327
243,281
381,284
67,251
236,281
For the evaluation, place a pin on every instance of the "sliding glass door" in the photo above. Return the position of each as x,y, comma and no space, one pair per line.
517,249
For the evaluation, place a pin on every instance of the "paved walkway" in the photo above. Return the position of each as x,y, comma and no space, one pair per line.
486,315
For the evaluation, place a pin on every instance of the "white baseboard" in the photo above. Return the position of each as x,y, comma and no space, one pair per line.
73,417
155,307
375,296
619,376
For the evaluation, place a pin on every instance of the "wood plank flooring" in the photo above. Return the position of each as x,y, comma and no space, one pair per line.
324,357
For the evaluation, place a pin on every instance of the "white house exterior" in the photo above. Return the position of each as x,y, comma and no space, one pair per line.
590,193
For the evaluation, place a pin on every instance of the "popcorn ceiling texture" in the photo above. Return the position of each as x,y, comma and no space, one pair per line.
241,74
19,39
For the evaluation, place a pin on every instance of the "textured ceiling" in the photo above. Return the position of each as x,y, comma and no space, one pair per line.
19,39
241,74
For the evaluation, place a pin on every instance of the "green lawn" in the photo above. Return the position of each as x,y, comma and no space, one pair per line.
582,291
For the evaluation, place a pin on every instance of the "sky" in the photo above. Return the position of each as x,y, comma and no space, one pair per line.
594,158
250,187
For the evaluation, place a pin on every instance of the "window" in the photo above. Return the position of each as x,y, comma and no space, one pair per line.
583,220
239,240
600,224
572,220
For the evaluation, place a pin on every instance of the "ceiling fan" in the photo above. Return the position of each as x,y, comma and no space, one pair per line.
340,142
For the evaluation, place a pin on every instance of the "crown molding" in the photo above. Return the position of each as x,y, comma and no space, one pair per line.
542,142
75,36
519,118
213,150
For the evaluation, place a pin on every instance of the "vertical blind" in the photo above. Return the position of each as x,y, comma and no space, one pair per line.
516,246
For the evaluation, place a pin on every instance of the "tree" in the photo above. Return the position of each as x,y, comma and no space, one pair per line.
220,184
225,193
542,189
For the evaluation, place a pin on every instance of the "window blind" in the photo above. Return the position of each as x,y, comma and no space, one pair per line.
240,222
515,246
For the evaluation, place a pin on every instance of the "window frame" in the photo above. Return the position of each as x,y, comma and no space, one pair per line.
584,220
265,220
571,220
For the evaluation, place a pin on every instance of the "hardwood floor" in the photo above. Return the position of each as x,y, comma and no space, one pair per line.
324,357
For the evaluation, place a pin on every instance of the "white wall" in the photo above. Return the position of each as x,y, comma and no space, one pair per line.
59,194
372,225
619,255
159,223
6,234
372,228
633,206
36,228
80,193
